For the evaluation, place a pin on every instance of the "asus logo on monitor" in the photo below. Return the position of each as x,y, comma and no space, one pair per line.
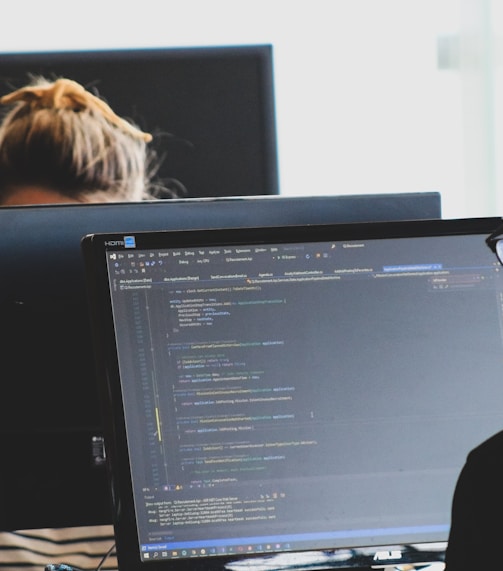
387,555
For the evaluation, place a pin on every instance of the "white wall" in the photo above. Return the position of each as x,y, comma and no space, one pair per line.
363,105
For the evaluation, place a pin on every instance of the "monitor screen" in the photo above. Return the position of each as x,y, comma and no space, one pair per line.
50,424
211,110
303,394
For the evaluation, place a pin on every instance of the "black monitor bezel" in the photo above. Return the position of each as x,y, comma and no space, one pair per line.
104,341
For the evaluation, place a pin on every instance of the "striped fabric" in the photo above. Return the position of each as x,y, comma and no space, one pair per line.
82,547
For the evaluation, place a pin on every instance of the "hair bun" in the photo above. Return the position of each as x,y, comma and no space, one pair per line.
68,94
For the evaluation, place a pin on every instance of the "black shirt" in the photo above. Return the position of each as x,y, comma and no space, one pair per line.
476,537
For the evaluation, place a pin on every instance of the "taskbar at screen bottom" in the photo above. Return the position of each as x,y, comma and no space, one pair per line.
301,551
403,535
431,556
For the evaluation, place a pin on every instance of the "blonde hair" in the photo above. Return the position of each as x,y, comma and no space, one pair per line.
60,136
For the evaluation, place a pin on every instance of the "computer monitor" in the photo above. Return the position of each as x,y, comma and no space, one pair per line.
52,472
211,109
296,397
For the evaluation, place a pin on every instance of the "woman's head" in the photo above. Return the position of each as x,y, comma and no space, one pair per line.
62,139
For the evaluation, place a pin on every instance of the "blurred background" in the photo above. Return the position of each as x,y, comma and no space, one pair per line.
371,96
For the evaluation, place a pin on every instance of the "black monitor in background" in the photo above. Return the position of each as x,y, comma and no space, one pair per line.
211,109
52,472
294,397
